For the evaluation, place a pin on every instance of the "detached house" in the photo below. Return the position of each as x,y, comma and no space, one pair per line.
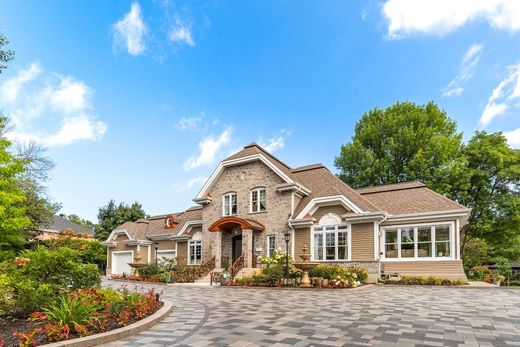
252,199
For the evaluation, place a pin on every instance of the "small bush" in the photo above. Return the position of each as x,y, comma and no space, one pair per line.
477,273
332,272
150,270
422,280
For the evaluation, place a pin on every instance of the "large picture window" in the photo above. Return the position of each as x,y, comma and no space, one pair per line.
229,204
258,200
422,241
194,252
331,242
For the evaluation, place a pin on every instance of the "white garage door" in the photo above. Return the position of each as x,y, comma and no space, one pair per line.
120,262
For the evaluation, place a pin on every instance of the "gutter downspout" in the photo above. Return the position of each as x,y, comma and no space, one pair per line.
378,256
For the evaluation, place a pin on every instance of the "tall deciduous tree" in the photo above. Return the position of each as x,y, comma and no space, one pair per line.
401,143
111,216
6,55
493,192
13,219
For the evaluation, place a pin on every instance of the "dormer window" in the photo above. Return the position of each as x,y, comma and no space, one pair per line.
229,204
169,222
257,200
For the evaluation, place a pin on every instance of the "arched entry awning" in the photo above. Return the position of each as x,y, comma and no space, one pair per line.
228,223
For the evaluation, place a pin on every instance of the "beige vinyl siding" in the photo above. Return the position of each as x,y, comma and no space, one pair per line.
363,242
336,209
302,237
450,269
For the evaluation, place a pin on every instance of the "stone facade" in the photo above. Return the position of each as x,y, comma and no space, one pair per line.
241,179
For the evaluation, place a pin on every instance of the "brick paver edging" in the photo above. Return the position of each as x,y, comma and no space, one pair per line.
364,286
120,333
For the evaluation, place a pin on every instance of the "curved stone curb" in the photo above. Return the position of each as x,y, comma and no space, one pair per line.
120,333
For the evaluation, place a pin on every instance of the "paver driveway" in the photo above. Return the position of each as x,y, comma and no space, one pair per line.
369,316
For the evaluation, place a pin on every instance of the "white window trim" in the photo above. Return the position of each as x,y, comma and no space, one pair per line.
349,243
230,194
257,190
190,242
267,244
416,257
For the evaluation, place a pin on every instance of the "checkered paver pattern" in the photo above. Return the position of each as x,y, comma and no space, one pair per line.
367,316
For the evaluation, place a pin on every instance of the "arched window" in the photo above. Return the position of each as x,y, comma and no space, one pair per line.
229,204
257,200
331,240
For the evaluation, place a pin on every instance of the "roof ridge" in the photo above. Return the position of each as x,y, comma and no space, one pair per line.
309,167
391,187
254,144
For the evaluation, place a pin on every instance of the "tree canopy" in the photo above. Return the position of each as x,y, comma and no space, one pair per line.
111,216
403,142
406,142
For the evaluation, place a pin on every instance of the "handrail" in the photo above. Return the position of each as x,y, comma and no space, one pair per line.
210,264
237,265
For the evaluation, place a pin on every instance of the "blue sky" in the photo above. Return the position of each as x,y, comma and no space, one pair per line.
138,101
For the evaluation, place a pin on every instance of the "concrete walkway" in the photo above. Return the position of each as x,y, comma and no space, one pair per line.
367,316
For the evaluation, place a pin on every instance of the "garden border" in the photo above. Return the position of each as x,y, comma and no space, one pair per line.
119,333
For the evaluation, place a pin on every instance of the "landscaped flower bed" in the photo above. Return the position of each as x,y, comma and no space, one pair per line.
79,313
322,276
167,272
421,280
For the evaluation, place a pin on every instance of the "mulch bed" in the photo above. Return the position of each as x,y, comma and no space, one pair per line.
9,326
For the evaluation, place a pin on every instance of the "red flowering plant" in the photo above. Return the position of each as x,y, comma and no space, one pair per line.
88,311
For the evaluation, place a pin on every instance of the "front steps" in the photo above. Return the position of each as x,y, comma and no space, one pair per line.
207,279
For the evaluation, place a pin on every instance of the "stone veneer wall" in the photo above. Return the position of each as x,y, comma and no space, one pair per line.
241,179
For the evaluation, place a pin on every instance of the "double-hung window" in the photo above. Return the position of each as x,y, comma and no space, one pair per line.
271,245
421,241
194,252
331,242
229,204
258,200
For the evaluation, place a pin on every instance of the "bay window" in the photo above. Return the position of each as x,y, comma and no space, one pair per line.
421,241
331,242
229,204
257,200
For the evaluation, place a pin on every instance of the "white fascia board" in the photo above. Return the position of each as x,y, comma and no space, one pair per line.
188,225
294,187
108,244
137,242
313,205
239,161
301,222
367,216
118,232
428,215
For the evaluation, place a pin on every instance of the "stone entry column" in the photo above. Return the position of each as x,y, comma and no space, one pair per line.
247,247
217,248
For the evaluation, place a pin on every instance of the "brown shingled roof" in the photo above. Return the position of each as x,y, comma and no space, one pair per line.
408,197
322,183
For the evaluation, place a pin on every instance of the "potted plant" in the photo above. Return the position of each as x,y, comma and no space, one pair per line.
225,276
496,278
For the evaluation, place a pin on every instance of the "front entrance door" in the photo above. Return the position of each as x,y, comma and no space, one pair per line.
237,247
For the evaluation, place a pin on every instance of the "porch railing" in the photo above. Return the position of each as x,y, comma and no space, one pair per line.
237,266
210,265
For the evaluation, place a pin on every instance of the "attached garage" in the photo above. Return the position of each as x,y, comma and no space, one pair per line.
120,262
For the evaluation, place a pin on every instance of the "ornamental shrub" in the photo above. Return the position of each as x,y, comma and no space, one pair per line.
150,270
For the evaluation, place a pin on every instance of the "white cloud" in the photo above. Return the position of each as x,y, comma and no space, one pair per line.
513,137
131,30
209,149
192,182
189,123
469,62
49,108
181,33
276,143
503,96
439,17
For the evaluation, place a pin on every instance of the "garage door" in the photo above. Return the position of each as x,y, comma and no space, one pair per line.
120,262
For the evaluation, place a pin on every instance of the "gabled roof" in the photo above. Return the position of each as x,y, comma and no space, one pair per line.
324,183
60,223
408,197
155,225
